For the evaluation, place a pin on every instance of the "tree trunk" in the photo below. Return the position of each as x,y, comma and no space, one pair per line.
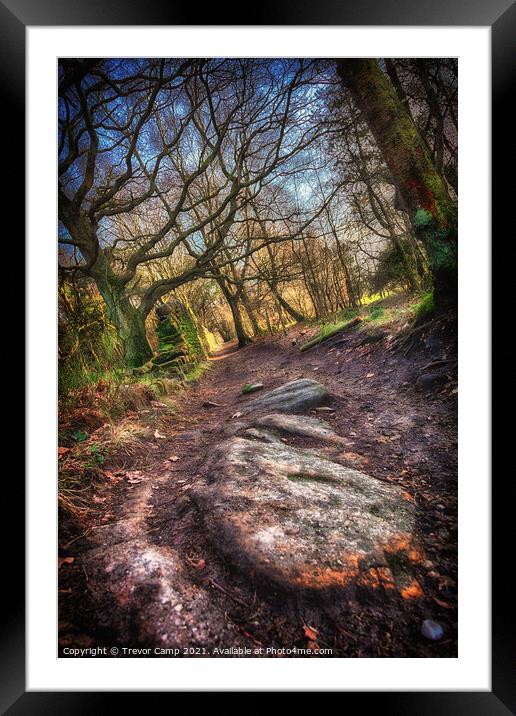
350,289
274,281
268,321
424,192
250,313
409,267
286,305
243,338
129,324
281,319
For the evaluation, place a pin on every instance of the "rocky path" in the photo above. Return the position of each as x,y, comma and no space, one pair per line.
318,513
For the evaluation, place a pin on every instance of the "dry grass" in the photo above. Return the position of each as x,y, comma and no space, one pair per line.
103,428
75,502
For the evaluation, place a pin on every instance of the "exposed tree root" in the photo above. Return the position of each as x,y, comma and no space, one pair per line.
415,335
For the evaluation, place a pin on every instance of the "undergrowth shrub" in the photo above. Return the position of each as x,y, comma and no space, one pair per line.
88,348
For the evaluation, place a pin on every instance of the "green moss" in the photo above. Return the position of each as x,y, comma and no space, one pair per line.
196,371
179,343
302,477
425,308
376,312
439,235
348,314
327,331
188,330
422,219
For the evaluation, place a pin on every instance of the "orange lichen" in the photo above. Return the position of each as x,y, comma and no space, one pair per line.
413,590
326,577
407,547
355,570
385,577
323,579
377,577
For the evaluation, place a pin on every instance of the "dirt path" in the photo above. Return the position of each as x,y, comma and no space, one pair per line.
148,577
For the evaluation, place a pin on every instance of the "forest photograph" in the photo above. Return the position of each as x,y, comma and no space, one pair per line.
257,357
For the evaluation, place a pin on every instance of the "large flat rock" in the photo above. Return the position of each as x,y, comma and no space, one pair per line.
298,395
288,516
300,425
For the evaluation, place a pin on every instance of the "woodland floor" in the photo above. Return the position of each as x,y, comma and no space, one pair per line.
399,411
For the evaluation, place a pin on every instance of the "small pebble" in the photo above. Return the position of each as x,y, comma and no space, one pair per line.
431,630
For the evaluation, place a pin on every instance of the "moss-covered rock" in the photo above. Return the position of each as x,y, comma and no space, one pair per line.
179,343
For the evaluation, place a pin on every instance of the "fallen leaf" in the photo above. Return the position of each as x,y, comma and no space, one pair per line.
134,477
310,632
159,436
64,560
62,451
173,458
111,476
370,375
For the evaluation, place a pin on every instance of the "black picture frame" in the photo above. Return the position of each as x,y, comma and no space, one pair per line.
15,16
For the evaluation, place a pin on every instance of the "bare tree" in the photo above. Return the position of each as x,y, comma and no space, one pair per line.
152,152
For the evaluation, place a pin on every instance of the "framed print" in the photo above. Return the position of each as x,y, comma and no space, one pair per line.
258,385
